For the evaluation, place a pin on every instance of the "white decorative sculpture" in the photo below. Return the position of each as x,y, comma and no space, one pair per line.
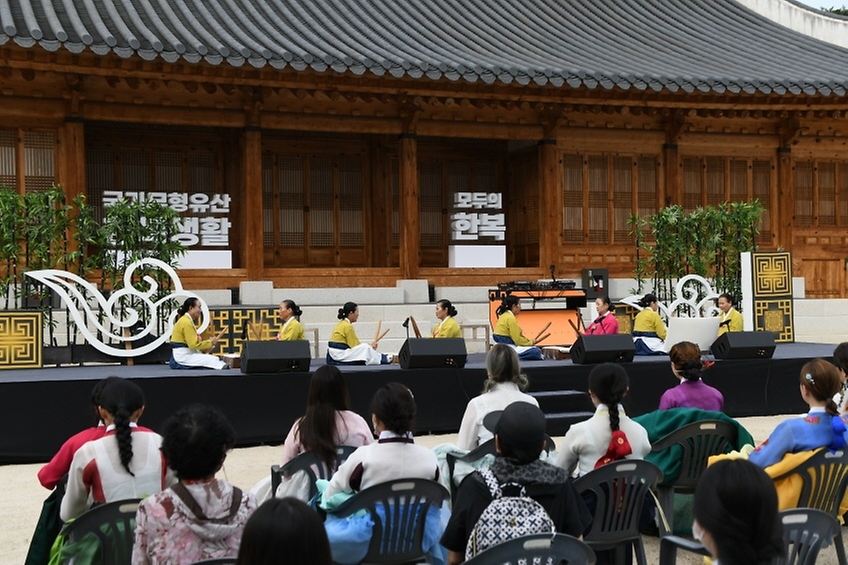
68,286
686,303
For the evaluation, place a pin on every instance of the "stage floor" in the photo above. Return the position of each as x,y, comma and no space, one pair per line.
40,408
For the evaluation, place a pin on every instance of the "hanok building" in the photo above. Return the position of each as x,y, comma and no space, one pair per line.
328,143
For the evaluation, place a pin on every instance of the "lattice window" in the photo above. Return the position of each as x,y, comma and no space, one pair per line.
761,190
395,187
430,203
827,194
268,187
135,170
8,169
842,193
739,180
714,177
39,160
291,204
321,224
821,194
350,202
615,187
692,183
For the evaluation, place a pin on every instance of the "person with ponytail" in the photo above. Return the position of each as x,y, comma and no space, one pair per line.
692,392
649,330
124,463
509,332
609,435
448,327
344,347
735,509
290,314
821,427
505,384
188,351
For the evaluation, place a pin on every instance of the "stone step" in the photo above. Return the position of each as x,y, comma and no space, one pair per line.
558,423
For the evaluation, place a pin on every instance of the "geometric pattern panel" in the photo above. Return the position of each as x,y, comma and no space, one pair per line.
625,314
235,320
20,340
772,285
772,275
775,316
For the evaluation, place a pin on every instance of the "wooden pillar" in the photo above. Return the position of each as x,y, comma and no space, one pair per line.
251,206
550,205
71,166
410,231
672,192
783,206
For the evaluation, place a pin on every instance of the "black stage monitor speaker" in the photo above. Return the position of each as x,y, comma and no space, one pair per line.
615,348
430,353
275,356
743,345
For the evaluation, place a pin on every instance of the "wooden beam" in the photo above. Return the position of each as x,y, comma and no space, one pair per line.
786,198
410,232
550,204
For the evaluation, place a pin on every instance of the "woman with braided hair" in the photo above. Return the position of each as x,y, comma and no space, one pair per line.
692,392
609,435
124,463
822,426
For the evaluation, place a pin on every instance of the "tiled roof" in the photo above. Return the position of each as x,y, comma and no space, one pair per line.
655,45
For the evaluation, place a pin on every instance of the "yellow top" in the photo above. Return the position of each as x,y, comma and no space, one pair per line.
736,322
448,328
292,331
649,321
185,332
344,333
508,326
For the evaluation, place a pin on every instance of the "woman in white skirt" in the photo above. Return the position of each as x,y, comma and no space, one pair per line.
344,347
187,349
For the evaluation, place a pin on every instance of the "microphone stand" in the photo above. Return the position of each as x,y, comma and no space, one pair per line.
406,325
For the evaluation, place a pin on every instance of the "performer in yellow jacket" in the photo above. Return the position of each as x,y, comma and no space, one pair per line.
448,327
344,347
187,349
508,331
649,330
731,318
290,314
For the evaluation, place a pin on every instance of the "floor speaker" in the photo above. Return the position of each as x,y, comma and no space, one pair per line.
275,356
430,353
743,345
614,348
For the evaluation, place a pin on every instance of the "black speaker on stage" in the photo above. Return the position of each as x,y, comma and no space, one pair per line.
616,348
743,345
275,356
431,353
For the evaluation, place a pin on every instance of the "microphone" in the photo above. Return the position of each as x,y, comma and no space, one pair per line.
406,325
553,270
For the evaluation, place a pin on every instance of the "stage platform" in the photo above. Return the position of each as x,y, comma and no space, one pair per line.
40,408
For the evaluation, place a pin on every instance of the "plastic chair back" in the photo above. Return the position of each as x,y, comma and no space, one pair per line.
399,510
537,548
699,441
619,490
309,463
824,476
112,525
805,532
218,561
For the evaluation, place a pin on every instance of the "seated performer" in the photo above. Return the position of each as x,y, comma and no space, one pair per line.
187,349
605,323
649,330
508,331
289,313
448,327
731,318
344,347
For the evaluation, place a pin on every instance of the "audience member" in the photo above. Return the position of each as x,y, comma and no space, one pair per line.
736,517
821,427
692,392
609,434
649,330
394,455
50,475
519,439
125,463
840,359
328,422
505,384
284,530
200,517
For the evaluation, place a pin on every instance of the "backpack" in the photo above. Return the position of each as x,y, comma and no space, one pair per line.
506,517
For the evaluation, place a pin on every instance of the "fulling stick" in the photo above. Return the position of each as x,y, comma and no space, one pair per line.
377,333
541,332
542,338
381,336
